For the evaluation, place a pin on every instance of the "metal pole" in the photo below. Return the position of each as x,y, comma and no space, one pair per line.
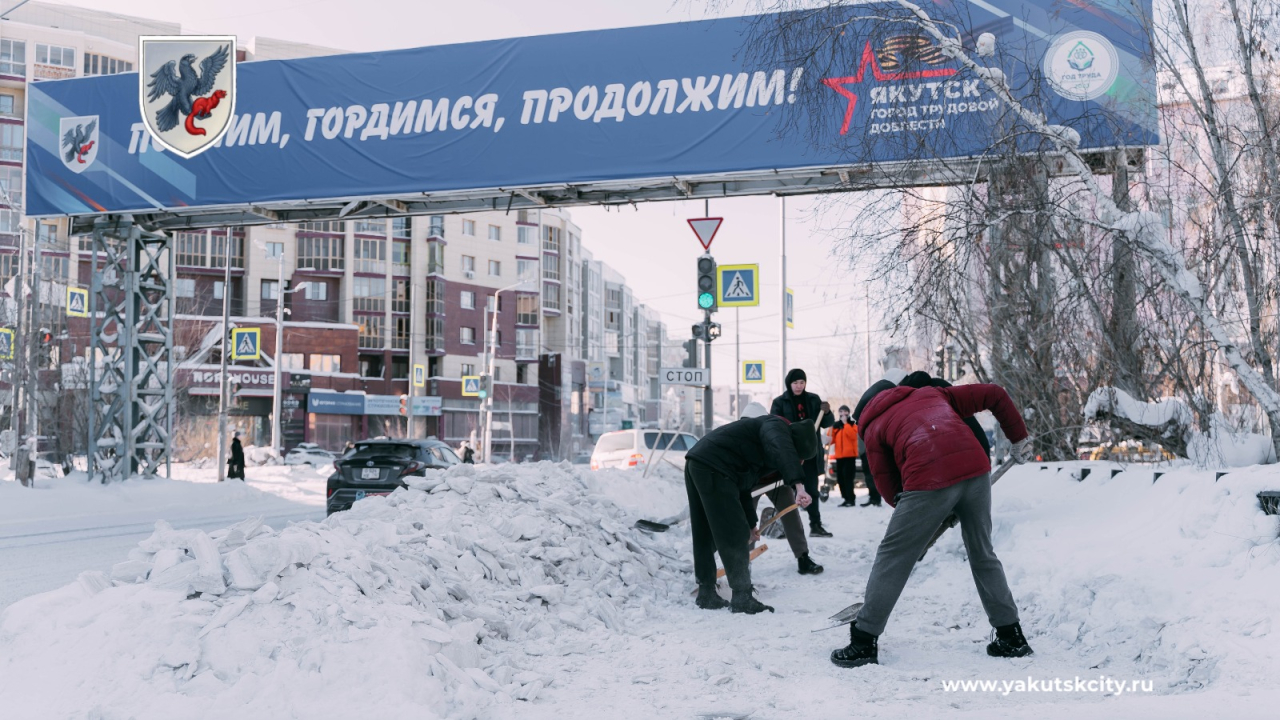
226,351
277,394
708,412
782,350
866,308
21,342
737,362
411,431
493,356
33,371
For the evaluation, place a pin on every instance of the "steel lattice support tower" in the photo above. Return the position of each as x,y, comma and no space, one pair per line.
131,372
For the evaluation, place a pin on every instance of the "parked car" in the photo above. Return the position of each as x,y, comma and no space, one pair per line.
1131,451
624,449
309,454
378,467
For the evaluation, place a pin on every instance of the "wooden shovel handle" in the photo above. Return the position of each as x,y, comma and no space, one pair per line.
777,515
754,554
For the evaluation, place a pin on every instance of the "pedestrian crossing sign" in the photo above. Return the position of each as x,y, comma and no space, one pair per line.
738,285
246,343
471,386
77,302
419,375
791,309
6,343
752,371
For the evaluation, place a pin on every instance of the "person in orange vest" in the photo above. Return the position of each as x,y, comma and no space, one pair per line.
844,443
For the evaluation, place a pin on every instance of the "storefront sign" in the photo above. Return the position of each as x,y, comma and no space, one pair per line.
335,403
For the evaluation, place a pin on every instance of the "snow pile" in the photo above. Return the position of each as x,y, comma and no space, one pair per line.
435,601
1168,411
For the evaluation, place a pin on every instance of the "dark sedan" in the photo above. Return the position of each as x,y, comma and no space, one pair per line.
378,467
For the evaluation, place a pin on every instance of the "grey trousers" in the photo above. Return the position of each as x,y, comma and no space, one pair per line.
916,517
784,496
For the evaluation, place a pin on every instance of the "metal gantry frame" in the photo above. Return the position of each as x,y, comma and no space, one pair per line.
131,369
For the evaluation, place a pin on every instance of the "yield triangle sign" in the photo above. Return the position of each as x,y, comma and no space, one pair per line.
705,229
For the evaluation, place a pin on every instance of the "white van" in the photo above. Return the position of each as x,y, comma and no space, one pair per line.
624,449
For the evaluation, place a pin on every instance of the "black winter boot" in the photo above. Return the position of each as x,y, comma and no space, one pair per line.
1009,642
745,602
816,530
709,599
862,650
808,566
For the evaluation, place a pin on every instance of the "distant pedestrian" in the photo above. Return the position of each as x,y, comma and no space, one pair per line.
844,439
799,406
928,466
468,455
235,464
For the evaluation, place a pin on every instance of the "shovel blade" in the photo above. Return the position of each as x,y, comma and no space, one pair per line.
652,526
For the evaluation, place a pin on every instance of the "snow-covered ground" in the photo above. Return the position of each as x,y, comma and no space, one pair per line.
523,592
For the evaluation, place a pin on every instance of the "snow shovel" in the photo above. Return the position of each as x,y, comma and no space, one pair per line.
754,554
777,515
844,617
651,526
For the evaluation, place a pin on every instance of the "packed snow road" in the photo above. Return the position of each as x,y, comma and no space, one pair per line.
524,592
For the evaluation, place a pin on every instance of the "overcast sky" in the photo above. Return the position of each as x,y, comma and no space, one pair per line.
651,245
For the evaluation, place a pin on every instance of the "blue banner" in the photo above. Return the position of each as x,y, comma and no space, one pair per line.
686,99
335,403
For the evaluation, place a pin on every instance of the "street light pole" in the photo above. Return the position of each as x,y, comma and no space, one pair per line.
493,357
277,395
226,350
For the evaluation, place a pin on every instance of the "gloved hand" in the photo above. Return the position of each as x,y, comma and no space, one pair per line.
1022,451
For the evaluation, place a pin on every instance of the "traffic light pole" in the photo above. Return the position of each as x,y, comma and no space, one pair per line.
708,410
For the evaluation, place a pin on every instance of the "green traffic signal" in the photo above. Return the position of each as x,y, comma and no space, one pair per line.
705,300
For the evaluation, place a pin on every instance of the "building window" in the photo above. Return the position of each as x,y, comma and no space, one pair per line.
469,265
435,257
218,251
526,270
11,186
370,227
469,227
324,226
270,290
401,228
369,294
435,226
54,266
46,233
371,366
551,296
551,239
435,297
400,262
550,266
8,267
371,255
497,370
6,104
55,55
468,300
95,64
217,289
13,58
370,332
526,309
320,253
192,249
400,338
495,268
490,301
318,362
184,287
467,336
400,292
524,235
316,290
291,361
495,232
400,368
468,369
11,142
526,344
275,250
435,334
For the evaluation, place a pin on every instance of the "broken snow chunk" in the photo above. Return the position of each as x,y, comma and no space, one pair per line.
131,570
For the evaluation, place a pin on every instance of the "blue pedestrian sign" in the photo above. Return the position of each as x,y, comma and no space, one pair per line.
6,344
77,302
471,386
246,344
419,375
752,371
738,285
791,308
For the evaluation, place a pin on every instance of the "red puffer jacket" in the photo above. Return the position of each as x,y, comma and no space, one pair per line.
916,439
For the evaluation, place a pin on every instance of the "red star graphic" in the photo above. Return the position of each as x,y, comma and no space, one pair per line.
869,60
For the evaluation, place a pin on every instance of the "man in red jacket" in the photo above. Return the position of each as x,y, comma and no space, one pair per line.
927,464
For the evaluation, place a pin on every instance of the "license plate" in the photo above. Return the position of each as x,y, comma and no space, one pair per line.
370,473
361,494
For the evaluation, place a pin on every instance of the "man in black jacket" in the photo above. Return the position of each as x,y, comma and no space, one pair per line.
801,407
719,473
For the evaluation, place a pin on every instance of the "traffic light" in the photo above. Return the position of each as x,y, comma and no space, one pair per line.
486,386
940,359
691,353
713,331
404,405
707,283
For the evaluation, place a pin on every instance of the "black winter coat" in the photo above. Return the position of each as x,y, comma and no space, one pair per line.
747,450
785,405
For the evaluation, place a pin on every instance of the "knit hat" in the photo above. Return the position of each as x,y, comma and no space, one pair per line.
805,438
794,375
